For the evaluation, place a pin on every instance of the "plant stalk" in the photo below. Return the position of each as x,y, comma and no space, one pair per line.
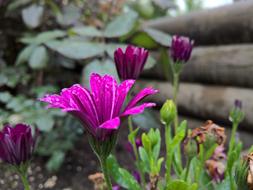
130,125
169,156
105,172
24,181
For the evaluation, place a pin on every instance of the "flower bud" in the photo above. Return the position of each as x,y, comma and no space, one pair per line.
181,49
168,112
190,147
236,114
16,144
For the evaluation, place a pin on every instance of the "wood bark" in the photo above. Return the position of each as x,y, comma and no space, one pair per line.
205,102
223,25
226,65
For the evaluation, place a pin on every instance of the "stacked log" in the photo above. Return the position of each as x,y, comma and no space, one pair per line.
223,25
225,65
221,66
205,102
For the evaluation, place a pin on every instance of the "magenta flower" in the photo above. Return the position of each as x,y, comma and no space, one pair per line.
100,108
181,48
130,64
16,144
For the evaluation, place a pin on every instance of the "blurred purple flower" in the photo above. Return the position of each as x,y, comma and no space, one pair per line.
181,48
129,146
100,108
16,144
130,64
238,104
116,187
137,176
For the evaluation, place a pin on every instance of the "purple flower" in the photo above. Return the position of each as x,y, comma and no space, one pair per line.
238,104
16,144
129,147
116,187
130,64
137,176
181,48
100,108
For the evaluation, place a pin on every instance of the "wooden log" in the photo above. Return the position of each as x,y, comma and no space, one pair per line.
223,25
206,102
227,65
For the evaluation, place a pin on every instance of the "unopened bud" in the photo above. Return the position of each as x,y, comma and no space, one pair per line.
190,148
168,112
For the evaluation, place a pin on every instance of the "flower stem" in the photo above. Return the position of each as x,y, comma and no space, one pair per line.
176,75
169,156
187,169
231,148
105,172
232,138
175,91
25,181
130,125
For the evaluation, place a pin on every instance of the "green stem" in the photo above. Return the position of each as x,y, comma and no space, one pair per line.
175,92
187,169
231,148
177,155
105,172
232,138
201,165
25,181
130,125
169,156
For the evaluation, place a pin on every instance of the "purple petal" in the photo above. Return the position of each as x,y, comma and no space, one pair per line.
141,95
104,92
137,109
123,90
111,124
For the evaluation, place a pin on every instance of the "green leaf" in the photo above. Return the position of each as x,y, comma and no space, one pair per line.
25,54
132,135
45,122
159,36
179,136
5,97
55,161
70,14
225,185
210,152
89,31
120,175
16,4
144,40
121,25
76,50
43,37
32,15
129,180
181,185
102,68
39,58
145,159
